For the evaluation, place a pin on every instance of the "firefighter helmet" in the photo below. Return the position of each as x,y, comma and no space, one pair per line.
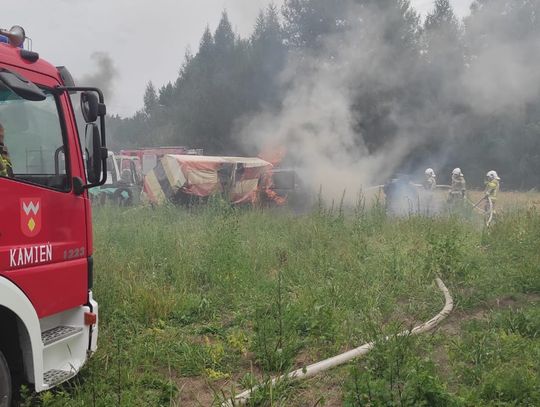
429,172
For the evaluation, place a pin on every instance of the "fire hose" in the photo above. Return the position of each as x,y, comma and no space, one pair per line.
338,360
489,213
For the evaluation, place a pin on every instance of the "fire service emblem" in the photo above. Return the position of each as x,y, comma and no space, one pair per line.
30,216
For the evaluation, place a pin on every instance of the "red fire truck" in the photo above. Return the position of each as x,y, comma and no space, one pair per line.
48,317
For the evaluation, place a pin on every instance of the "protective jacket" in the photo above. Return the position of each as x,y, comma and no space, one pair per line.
5,166
492,187
459,186
430,183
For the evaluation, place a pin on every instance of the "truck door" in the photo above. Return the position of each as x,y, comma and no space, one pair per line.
43,244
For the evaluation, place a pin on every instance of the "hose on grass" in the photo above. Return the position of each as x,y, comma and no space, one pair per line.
332,362
488,215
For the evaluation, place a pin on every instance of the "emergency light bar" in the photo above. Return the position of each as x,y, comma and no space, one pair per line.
15,36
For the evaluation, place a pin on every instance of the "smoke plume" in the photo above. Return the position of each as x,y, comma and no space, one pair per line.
328,91
317,123
104,75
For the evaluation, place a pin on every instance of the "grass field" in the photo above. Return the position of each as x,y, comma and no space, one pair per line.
196,305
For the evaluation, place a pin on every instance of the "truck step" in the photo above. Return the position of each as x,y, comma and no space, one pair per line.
58,333
54,377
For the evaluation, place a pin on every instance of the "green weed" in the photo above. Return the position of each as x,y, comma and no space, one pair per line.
231,296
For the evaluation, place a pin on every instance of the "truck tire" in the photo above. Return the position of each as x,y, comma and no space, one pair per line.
5,383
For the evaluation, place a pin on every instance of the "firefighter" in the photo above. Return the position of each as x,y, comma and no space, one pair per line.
458,188
401,196
490,193
5,162
430,182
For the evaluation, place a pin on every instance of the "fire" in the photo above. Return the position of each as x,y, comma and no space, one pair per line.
274,155
267,183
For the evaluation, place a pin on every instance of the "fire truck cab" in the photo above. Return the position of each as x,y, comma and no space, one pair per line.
48,317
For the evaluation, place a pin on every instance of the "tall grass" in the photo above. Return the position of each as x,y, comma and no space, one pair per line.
211,299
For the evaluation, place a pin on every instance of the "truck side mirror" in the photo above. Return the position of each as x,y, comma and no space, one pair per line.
92,108
89,106
94,161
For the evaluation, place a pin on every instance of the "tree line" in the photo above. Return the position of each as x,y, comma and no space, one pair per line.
458,93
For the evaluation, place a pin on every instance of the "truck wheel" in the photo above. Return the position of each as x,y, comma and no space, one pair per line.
5,383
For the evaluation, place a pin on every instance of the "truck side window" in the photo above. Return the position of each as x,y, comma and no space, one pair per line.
34,140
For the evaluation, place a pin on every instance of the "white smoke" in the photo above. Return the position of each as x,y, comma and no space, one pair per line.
503,73
319,126
316,122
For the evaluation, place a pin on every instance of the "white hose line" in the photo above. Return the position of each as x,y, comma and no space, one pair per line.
326,364
483,211
475,206
374,187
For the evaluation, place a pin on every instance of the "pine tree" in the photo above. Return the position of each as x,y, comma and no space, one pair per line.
150,100
224,36
443,39
205,55
443,53
309,22
268,58
166,95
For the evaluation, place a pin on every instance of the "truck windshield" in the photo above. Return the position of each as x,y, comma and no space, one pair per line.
33,146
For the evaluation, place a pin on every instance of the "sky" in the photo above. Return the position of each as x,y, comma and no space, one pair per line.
145,40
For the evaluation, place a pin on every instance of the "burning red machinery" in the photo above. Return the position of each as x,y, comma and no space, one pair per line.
181,178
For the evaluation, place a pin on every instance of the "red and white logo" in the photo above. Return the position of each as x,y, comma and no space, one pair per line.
30,216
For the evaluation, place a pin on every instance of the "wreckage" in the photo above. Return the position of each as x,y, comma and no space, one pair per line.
189,179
